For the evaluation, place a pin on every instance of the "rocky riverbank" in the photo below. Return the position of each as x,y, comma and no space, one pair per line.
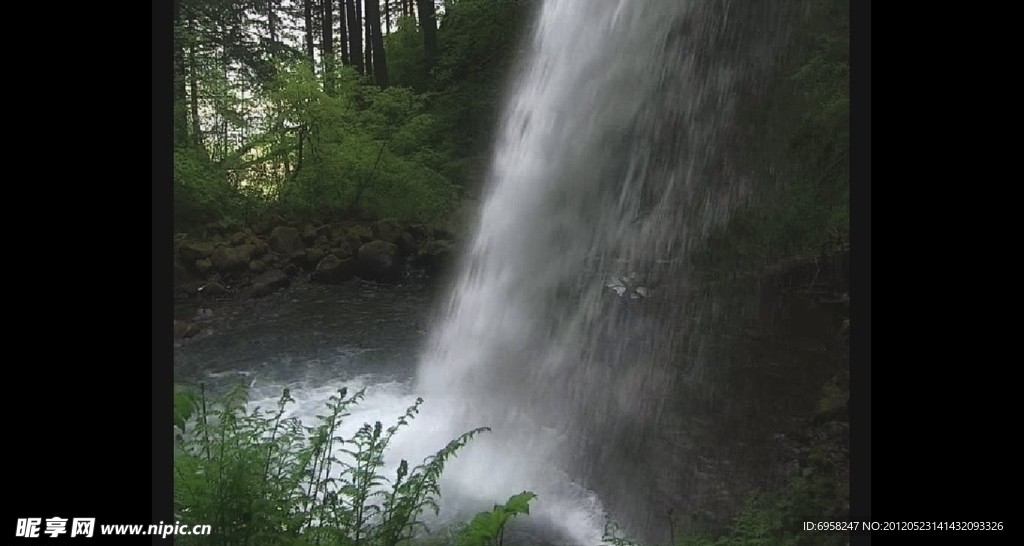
254,263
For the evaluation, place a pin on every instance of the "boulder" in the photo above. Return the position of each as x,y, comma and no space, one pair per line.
407,244
203,265
308,234
268,282
286,240
232,259
257,266
387,230
421,232
363,233
378,261
437,256
239,239
333,270
190,251
312,258
343,252
212,290
261,247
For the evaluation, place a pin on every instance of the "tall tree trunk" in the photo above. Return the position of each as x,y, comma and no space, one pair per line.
342,32
387,17
355,38
327,45
180,95
368,41
225,65
271,15
308,8
380,66
197,130
428,22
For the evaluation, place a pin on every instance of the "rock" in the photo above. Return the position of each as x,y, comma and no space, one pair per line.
309,234
387,230
333,270
184,329
239,239
421,232
268,282
406,244
322,242
261,247
232,259
437,256
338,232
257,267
190,251
291,270
191,288
286,240
378,261
343,252
203,265
212,290
363,233
313,257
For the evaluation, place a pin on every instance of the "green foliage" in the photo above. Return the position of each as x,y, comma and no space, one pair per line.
799,152
771,519
488,528
262,478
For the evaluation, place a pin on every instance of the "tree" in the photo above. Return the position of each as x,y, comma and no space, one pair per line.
327,44
428,22
308,10
343,32
380,67
355,42
368,53
180,113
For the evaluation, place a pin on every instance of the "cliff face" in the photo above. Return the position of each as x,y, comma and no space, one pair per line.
758,402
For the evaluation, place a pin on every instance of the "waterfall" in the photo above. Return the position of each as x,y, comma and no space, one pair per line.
571,323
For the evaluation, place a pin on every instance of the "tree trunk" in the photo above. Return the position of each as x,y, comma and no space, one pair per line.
180,95
355,39
380,67
428,22
271,5
387,17
343,32
308,9
368,54
327,45
197,131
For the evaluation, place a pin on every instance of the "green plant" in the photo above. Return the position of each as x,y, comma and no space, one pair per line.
264,478
488,528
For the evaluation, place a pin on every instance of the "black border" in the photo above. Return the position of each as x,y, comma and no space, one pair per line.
860,253
162,367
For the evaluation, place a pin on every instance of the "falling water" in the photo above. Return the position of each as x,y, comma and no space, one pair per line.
572,316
